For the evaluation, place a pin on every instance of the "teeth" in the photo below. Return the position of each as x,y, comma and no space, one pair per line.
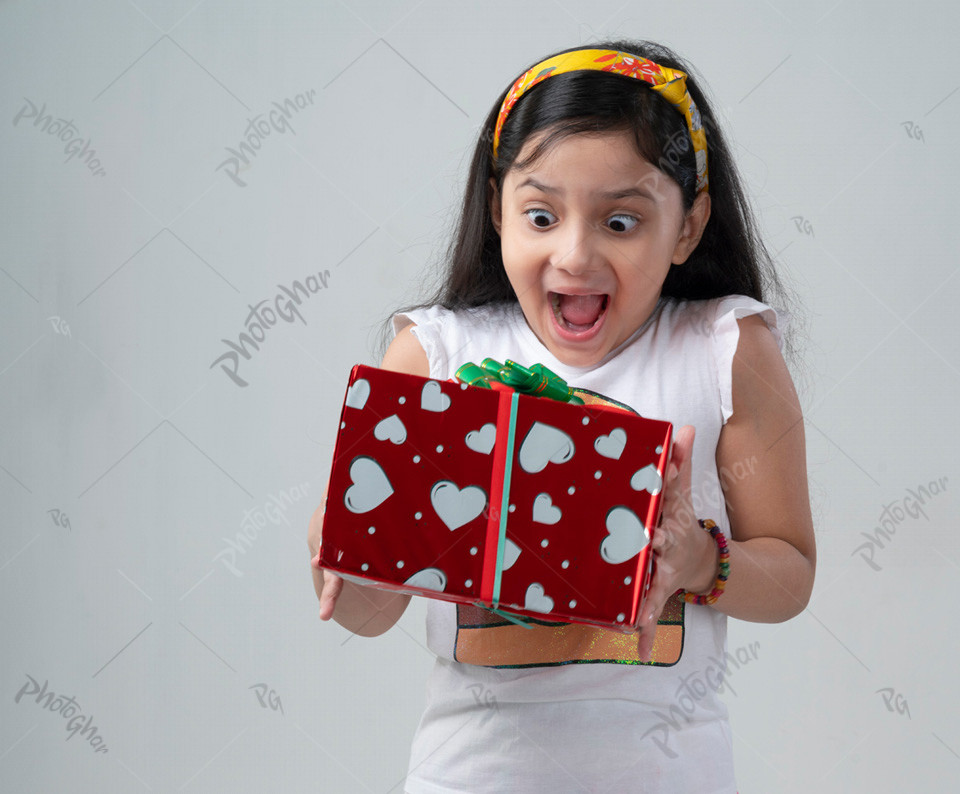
555,305
555,299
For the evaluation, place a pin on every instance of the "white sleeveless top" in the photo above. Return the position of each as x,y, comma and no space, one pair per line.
565,708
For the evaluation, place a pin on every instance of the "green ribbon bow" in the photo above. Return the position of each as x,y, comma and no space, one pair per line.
537,380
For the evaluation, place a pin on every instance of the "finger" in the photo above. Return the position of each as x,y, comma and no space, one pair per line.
664,543
683,455
671,472
315,562
648,631
657,597
671,482
654,601
659,540
663,584
332,586
682,444
645,644
677,495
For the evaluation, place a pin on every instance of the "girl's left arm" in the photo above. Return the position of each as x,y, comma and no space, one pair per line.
772,548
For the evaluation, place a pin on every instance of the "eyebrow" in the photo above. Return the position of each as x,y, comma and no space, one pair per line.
626,192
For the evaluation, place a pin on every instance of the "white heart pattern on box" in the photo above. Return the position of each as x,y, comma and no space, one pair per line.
456,506
627,538
647,479
544,444
432,397
390,428
429,579
370,486
511,552
544,511
482,440
537,600
612,446
357,394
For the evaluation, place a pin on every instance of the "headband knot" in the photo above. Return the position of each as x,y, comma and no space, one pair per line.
671,84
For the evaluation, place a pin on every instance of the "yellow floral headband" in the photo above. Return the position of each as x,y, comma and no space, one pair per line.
671,84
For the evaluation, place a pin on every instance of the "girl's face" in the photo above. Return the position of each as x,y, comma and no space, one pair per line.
588,235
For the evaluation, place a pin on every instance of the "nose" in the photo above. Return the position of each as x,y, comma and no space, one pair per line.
577,247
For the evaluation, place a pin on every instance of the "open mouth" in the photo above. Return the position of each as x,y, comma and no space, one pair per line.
578,314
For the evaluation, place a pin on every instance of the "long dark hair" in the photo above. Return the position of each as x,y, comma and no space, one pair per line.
730,257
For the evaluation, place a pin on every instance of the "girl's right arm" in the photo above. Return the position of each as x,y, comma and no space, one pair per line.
361,609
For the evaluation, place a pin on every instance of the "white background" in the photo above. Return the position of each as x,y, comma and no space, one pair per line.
129,599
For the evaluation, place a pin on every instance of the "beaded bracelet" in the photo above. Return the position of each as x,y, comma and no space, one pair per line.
721,582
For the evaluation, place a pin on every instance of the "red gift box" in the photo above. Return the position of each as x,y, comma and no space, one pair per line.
517,503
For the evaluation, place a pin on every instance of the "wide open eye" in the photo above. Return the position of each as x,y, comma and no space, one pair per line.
622,223
540,217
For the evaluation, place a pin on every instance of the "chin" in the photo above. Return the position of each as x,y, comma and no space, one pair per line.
578,357
576,349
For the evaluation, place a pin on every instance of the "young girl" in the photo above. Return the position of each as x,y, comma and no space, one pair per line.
605,234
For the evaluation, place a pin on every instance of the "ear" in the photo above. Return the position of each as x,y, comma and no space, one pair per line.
493,198
694,223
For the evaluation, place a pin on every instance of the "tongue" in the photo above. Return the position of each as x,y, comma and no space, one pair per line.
581,310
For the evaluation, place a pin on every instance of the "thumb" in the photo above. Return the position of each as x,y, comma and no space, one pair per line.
332,586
